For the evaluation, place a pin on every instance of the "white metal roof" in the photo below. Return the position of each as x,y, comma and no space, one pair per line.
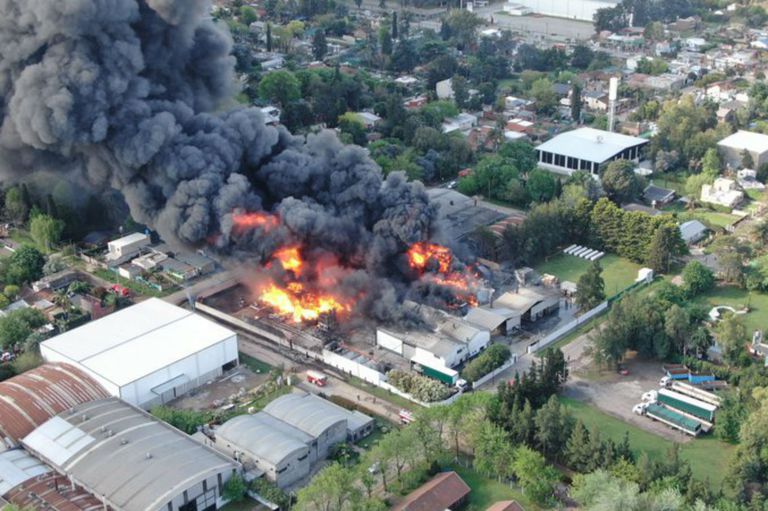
16,467
490,318
136,462
307,412
746,140
138,341
590,144
129,239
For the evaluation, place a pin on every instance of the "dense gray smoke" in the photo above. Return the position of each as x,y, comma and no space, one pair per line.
132,94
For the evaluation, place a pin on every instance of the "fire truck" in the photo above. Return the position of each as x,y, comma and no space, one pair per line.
317,378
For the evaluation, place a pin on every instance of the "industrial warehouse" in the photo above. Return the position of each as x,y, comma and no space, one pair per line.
186,351
588,149
131,460
294,432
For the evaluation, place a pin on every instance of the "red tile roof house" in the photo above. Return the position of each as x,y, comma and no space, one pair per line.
446,491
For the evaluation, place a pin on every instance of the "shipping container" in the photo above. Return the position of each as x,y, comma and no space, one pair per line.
687,404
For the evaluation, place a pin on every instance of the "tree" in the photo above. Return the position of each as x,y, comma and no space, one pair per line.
590,288
385,41
269,36
395,26
578,455
677,326
544,96
319,44
25,265
710,164
536,477
697,278
731,336
235,489
16,207
747,162
350,123
654,31
332,489
281,87
620,182
750,463
541,185
576,103
248,15
46,231
17,325
582,56
359,3
665,244
601,491
460,90
553,427
760,232
493,452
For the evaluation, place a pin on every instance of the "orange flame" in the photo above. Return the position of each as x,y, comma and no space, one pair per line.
248,221
420,254
299,305
290,258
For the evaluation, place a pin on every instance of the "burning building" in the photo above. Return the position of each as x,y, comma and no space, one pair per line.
133,96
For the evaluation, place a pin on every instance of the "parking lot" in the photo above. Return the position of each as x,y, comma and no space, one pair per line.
613,393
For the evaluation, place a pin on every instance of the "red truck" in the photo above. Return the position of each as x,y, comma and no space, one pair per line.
317,378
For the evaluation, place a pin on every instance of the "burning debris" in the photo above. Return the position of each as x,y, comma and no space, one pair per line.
122,96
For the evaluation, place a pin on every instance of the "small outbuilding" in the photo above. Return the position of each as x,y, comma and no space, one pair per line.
444,491
693,231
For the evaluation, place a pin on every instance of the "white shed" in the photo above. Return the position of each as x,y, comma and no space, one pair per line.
147,354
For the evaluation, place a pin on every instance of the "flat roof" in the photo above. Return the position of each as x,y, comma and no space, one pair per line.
150,335
127,240
124,454
746,140
590,144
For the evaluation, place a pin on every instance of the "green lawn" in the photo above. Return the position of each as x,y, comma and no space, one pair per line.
254,364
618,273
708,216
136,287
756,319
486,492
708,456
672,181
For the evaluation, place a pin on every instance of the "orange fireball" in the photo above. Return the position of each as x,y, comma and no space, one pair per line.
290,258
301,306
248,221
420,254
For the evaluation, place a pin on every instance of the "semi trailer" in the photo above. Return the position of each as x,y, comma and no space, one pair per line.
669,417
687,404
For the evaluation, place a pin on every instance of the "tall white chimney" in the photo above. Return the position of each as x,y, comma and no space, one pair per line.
613,94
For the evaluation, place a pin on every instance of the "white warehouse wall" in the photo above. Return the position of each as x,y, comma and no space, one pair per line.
54,356
199,367
573,9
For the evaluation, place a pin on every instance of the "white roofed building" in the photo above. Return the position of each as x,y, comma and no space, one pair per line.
573,9
733,146
587,149
147,354
123,249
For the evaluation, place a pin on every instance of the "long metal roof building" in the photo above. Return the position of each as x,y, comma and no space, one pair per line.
131,460
30,399
307,412
265,437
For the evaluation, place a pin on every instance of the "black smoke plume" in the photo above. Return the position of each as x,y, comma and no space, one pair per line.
135,95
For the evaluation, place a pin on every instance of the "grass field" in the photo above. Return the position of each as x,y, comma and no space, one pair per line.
708,216
486,492
738,298
618,273
708,456
254,364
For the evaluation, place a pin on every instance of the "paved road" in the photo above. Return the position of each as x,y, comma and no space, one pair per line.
214,283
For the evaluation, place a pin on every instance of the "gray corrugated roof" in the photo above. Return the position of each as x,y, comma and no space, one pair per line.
307,412
490,319
590,144
17,467
264,437
692,229
140,466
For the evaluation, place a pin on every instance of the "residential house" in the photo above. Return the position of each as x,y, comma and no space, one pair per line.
596,100
657,196
693,231
369,119
462,122
723,192
445,491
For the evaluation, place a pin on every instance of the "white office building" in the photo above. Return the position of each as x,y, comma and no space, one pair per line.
573,9
587,149
147,354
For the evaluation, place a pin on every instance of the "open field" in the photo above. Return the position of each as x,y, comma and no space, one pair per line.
486,492
708,456
710,217
756,319
618,273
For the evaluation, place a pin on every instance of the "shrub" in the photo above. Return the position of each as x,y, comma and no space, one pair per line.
271,493
492,358
420,387
235,489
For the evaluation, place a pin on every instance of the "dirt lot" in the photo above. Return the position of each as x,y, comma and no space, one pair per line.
213,395
613,393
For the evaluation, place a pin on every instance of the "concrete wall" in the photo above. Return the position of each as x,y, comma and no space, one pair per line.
389,342
479,342
336,434
210,492
573,9
357,370
732,156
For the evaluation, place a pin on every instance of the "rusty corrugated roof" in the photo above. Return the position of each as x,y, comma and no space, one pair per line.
30,399
53,492
442,492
